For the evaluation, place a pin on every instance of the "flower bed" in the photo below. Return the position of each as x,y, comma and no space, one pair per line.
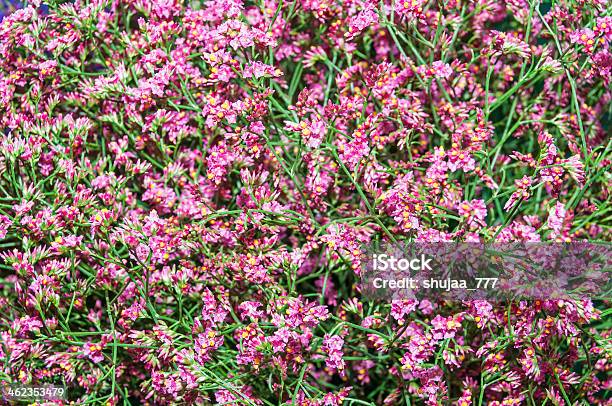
186,193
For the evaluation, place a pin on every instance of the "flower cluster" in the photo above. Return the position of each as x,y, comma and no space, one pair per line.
186,190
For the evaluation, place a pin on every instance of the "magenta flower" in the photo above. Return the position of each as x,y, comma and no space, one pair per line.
332,347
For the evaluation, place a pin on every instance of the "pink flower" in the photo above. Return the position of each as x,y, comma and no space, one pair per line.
445,327
522,191
23,208
438,69
587,38
93,352
335,398
474,212
205,344
575,167
556,218
361,21
258,70
402,308
507,44
410,8
5,223
70,241
332,347
249,309
465,399
458,159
